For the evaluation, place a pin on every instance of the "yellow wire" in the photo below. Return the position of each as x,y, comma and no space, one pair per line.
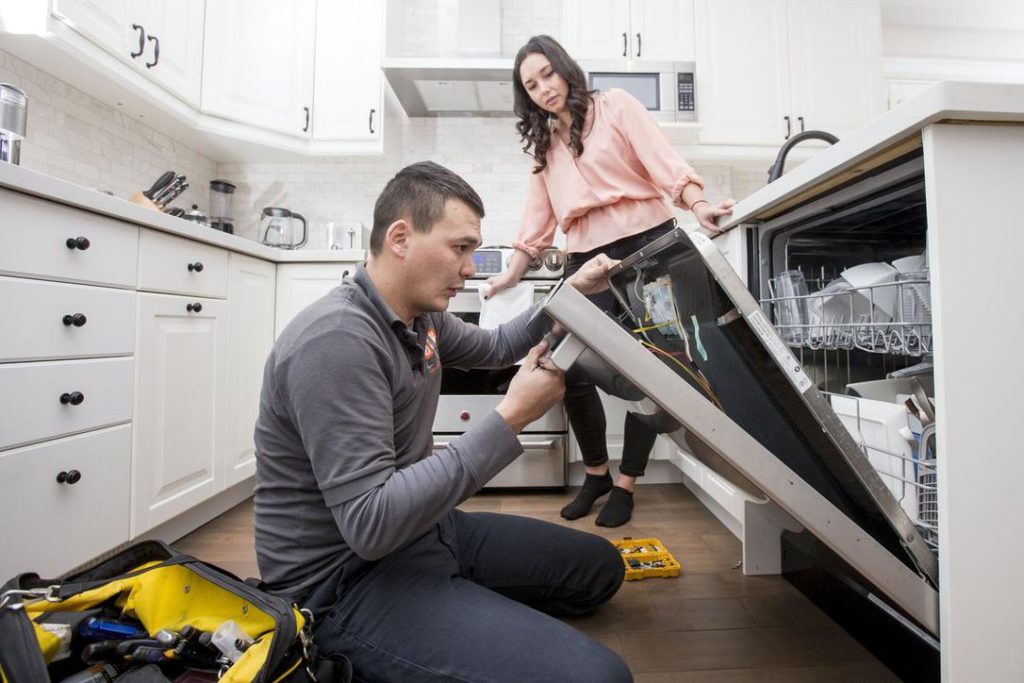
701,381
654,327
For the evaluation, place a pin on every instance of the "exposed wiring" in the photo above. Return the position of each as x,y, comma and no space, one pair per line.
701,381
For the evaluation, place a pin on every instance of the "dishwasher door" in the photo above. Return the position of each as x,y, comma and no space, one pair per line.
700,347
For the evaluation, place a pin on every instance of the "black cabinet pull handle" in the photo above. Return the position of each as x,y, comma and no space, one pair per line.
372,112
344,275
156,52
194,308
625,52
69,477
196,267
77,243
75,398
801,120
638,45
305,126
789,128
142,40
76,319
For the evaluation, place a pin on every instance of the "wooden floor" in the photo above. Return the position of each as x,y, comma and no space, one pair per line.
711,624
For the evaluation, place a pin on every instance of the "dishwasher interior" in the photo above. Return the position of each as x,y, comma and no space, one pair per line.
845,281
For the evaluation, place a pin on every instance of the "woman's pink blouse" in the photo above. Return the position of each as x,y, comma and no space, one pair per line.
614,190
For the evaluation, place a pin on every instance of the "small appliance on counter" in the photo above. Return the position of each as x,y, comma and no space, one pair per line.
196,216
222,194
277,228
13,117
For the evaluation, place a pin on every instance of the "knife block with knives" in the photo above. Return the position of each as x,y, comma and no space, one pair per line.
166,189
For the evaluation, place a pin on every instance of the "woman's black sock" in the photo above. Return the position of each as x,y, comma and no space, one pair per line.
617,510
594,486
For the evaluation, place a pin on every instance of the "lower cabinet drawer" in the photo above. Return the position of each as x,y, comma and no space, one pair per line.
56,320
47,400
51,524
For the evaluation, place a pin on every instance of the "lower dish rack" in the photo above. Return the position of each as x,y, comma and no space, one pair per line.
902,451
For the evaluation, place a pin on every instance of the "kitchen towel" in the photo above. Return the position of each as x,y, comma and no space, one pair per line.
504,305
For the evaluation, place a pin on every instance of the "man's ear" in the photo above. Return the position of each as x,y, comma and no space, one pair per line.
396,237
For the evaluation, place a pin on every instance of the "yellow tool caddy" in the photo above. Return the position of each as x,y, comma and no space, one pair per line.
646,558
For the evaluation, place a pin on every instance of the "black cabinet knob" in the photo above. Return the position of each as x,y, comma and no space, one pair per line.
194,308
196,267
77,243
75,398
76,319
69,477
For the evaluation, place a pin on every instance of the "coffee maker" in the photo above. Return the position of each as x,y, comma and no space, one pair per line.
13,115
222,194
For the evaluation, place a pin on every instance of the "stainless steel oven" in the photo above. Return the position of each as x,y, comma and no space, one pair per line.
467,396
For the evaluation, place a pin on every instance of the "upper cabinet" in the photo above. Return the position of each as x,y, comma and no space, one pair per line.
259,63
803,64
348,88
629,30
162,41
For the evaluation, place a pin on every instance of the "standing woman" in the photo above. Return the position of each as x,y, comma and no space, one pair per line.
603,169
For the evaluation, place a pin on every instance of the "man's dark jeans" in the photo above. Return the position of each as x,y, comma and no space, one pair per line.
470,601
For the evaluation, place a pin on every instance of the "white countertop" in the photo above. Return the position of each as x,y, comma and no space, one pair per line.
57,190
960,102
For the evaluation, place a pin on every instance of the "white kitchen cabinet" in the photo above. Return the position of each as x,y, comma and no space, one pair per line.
65,501
163,41
251,290
258,66
630,30
789,66
300,284
181,362
348,89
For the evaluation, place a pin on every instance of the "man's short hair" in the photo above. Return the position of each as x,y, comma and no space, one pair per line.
418,194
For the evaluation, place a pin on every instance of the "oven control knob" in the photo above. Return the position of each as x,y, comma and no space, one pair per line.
553,260
534,264
465,416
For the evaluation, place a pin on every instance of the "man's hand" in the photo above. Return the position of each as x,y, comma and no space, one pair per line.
592,277
535,388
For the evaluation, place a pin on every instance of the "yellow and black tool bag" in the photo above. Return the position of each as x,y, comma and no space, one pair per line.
164,592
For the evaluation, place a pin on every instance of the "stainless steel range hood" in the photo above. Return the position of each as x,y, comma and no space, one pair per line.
451,86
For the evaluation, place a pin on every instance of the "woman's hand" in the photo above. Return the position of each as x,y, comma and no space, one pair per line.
499,283
707,214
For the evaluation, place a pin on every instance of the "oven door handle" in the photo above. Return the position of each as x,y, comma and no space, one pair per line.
527,445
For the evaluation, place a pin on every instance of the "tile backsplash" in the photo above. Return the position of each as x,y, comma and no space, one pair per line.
73,136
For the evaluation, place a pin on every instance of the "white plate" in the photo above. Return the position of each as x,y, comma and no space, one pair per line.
872,275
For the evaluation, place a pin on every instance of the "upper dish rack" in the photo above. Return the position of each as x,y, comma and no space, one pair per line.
890,317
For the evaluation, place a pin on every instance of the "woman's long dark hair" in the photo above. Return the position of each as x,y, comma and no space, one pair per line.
533,121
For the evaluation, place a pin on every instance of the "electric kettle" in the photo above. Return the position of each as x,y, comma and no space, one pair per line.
277,228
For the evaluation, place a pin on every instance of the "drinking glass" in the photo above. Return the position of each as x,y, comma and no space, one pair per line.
791,307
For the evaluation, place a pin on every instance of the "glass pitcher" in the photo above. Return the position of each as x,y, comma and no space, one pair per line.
277,228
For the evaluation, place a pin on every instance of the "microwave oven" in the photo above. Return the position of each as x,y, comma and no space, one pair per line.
666,89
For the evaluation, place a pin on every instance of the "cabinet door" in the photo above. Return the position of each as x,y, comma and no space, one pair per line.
662,30
347,101
742,79
180,363
258,63
104,22
251,288
300,284
597,30
836,75
53,524
177,28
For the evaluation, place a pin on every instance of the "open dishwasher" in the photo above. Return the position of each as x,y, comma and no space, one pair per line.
760,396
